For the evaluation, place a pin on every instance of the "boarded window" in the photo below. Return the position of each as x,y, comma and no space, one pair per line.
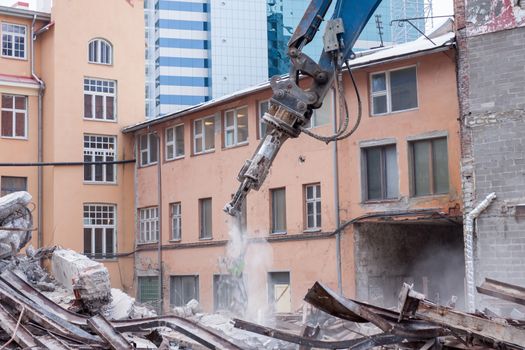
10,184
429,167
380,173
148,290
183,289
278,210
279,294
205,214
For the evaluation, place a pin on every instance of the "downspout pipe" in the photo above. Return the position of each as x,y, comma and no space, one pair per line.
159,194
40,171
335,170
469,250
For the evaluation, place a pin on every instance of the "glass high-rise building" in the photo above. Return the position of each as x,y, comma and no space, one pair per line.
197,50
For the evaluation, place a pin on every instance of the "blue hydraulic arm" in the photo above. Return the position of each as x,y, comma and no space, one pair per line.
291,106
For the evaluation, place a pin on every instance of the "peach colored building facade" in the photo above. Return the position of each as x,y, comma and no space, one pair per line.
91,68
395,183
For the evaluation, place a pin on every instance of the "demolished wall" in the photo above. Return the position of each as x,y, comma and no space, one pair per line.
491,78
426,255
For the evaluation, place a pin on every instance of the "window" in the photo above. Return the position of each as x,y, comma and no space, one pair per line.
279,294
313,206
100,51
323,115
14,116
149,225
10,184
175,142
429,167
205,229
176,221
380,173
278,210
99,99
264,129
203,135
235,127
394,91
13,40
148,149
225,292
148,290
183,289
100,230
99,148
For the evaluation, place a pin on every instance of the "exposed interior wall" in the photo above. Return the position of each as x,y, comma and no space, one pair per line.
428,255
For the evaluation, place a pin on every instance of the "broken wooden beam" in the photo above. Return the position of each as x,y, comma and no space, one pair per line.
502,290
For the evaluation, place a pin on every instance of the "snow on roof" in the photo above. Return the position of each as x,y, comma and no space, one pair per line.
375,56
442,37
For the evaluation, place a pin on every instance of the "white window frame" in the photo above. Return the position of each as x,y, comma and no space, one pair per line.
174,142
107,220
235,127
314,118
388,93
95,47
260,116
148,224
105,153
95,87
13,112
314,200
201,137
176,221
13,35
146,153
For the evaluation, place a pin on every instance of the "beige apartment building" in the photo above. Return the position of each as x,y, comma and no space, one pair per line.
361,216
70,80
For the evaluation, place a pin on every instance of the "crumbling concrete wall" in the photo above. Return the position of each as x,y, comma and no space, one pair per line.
491,77
428,255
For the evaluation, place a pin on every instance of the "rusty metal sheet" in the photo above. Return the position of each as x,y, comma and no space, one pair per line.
8,323
105,330
360,343
18,285
464,323
502,290
330,302
45,316
192,330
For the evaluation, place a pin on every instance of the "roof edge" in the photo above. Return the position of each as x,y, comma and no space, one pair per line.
22,13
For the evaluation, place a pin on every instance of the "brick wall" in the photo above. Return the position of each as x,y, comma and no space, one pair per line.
491,76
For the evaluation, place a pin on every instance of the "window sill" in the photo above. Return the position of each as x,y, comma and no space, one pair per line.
100,183
15,58
105,259
100,120
175,241
237,145
394,112
101,64
278,233
147,243
379,201
15,138
147,165
206,238
174,159
312,230
204,152
430,196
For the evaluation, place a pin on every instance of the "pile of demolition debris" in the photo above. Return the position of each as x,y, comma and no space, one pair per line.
74,307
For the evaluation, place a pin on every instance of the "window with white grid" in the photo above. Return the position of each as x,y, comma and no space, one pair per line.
313,206
14,116
149,225
176,221
100,230
100,148
100,51
14,40
175,142
235,127
100,99
203,135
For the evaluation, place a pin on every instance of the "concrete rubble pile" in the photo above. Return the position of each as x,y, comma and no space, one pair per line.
15,223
